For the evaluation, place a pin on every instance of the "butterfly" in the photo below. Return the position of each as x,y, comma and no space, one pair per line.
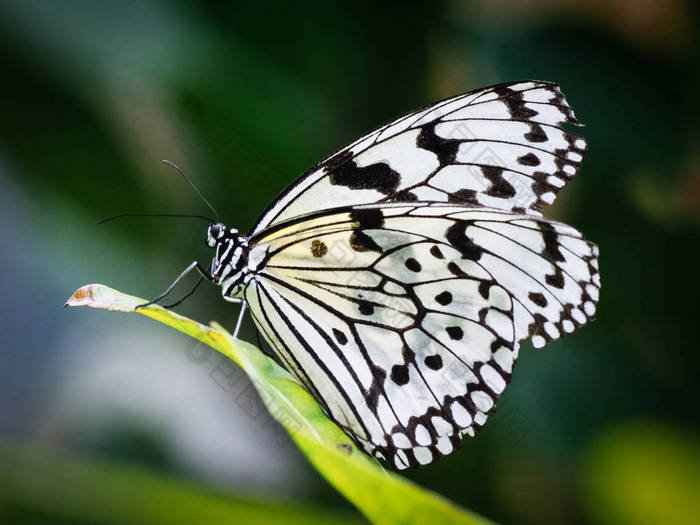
396,278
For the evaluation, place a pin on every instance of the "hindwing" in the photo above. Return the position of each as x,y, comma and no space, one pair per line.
404,320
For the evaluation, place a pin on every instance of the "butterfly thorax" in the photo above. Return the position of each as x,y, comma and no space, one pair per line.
229,265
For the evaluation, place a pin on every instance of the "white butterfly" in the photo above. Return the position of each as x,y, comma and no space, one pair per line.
396,278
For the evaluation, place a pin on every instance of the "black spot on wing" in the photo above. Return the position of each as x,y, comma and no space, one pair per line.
456,235
482,315
361,242
541,186
445,149
455,270
379,177
538,299
318,248
433,361
551,243
377,387
435,252
536,133
455,332
500,187
556,279
443,298
337,160
484,289
367,218
340,336
529,160
399,374
366,308
464,195
413,265
515,103
537,326
404,196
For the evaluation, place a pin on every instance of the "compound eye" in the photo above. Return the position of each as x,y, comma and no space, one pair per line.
216,229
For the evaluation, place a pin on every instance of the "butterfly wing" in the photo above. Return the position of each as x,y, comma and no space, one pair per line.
404,320
500,147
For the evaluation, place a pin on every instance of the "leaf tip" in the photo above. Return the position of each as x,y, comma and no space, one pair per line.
82,296
100,296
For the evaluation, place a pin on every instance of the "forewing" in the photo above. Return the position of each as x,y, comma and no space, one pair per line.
500,147
404,320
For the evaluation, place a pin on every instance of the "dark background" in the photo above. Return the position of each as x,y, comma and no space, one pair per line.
600,427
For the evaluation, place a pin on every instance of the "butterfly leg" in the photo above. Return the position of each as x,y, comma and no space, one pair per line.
169,289
240,318
194,289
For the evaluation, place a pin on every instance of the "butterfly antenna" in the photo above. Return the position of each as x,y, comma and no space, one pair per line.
178,215
174,166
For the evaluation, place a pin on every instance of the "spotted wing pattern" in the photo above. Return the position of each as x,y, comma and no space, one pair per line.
404,320
500,147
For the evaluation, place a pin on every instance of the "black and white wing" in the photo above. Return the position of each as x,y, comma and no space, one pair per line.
500,147
404,320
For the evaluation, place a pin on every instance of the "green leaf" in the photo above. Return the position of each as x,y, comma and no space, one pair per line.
382,496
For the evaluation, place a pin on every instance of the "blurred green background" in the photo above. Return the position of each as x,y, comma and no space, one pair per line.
111,419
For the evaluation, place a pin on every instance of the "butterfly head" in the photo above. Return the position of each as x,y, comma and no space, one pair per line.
215,232
231,253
